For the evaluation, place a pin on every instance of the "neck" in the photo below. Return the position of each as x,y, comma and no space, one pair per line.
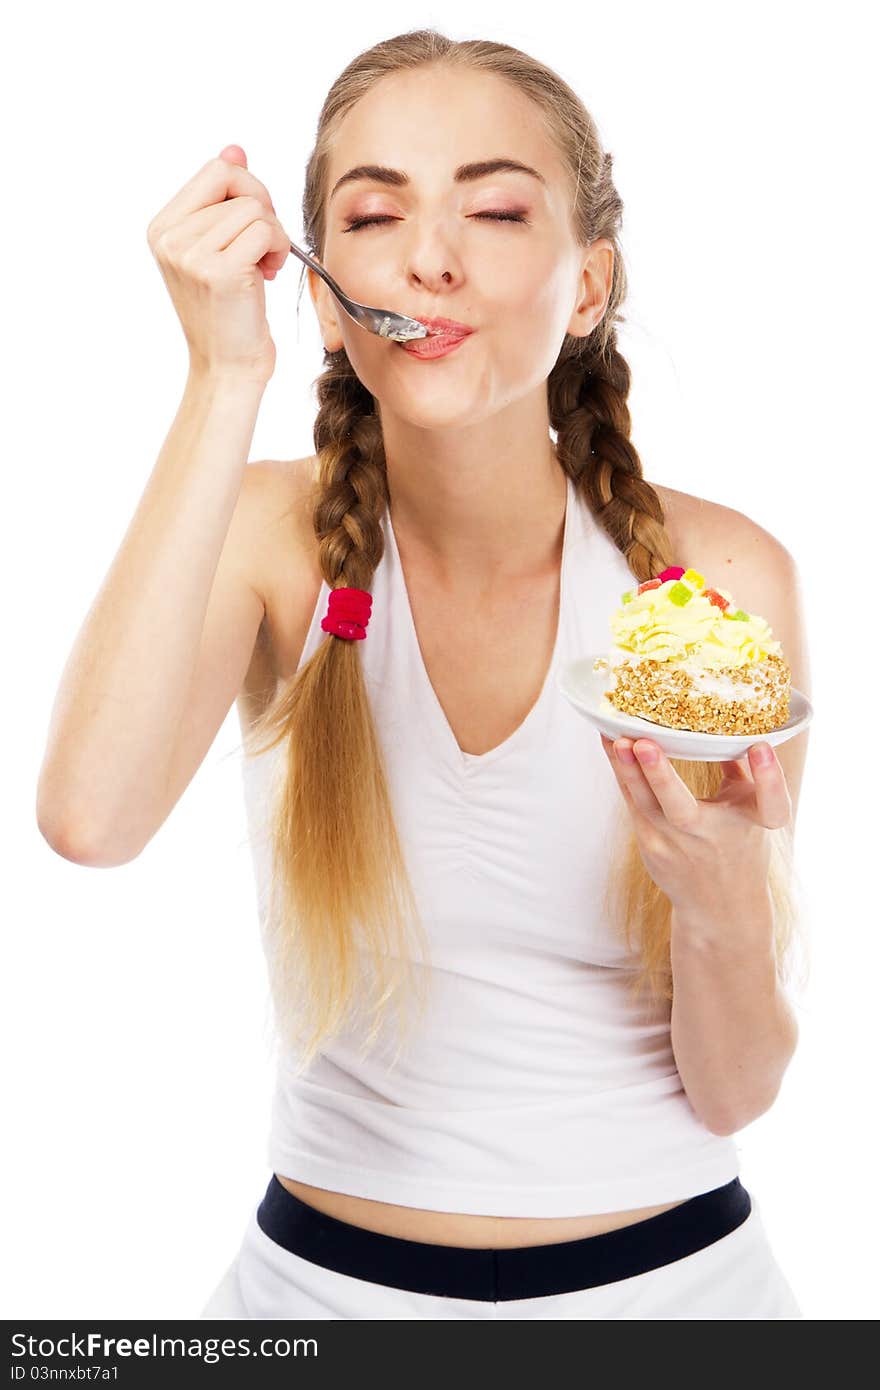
477,524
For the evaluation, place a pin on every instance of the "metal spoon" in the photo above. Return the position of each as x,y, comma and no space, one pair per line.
387,324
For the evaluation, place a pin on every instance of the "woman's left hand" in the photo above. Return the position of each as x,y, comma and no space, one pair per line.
703,852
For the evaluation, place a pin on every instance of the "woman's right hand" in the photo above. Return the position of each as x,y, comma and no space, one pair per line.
215,243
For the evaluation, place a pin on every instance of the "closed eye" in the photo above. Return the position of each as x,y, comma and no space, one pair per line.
491,216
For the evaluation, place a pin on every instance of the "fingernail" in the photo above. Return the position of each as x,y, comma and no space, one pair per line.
624,753
764,754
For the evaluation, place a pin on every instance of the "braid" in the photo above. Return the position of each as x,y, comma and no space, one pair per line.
587,405
336,853
587,401
352,491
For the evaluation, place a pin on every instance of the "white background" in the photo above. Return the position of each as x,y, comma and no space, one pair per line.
135,1006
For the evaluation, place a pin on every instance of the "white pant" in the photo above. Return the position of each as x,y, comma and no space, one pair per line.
734,1277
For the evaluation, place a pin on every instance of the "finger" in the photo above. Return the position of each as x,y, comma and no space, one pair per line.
737,769
617,771
272,262
630,777
216,182
773,801
676,801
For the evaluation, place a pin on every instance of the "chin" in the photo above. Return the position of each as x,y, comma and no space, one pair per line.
422,404
442,414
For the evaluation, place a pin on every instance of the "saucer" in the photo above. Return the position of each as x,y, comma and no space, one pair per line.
585,689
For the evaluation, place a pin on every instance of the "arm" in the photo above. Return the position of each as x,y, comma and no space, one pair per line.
128,679
733,1029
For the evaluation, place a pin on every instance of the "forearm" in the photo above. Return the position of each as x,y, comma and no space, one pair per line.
127,678
733,1030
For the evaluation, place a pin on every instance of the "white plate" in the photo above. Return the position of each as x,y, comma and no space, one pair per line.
585,689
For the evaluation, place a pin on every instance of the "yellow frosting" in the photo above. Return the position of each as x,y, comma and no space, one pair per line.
652,625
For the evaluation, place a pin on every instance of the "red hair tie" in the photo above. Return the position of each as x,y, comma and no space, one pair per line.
348,613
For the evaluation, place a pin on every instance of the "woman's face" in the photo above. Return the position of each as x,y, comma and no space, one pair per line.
518,283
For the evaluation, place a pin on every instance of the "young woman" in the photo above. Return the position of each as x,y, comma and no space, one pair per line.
552,1134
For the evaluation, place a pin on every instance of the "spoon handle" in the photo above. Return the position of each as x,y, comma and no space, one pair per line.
384,322
319,270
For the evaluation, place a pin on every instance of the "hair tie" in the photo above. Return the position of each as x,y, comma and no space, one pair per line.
348,613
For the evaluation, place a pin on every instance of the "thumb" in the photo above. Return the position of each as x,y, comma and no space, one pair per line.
736,770
235,154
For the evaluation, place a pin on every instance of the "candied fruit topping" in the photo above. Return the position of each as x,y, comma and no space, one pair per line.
680,594
665,626
718,599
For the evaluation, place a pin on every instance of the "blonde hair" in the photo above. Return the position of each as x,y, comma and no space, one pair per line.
341,899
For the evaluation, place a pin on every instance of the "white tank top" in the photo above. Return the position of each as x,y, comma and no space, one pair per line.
535,1085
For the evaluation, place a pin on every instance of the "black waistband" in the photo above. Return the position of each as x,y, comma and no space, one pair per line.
526,1271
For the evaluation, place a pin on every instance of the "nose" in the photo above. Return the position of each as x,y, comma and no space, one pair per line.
427,279
430,261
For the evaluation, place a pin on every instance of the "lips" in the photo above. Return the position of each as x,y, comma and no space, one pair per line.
445,328
444,335
437,345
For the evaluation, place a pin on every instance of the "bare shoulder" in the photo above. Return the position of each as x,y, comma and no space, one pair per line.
279,526
707,534
278,499
735,552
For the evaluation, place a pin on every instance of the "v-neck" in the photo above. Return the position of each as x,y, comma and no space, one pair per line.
474,761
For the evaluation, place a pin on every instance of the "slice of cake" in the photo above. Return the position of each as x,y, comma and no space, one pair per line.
686,657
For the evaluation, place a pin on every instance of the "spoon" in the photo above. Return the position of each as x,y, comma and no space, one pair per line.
399,327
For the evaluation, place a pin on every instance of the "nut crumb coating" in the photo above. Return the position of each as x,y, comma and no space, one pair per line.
666,694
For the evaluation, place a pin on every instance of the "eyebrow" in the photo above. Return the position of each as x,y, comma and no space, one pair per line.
465,173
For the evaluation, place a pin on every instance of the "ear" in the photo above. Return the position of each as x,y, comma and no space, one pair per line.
594,290
326,310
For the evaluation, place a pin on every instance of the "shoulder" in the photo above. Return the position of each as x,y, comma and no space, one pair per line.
281,489
735,552
699,527
276,502
276,505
